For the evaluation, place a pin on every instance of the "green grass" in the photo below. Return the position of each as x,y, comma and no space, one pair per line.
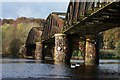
103,54
109,54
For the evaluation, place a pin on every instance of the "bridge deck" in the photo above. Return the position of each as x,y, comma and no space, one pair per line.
101,20
81,18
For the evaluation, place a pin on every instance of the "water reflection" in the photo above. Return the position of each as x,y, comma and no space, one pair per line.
25,68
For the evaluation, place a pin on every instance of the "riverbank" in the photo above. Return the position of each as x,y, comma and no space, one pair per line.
109,54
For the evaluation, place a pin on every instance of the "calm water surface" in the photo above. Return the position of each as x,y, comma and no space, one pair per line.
28,68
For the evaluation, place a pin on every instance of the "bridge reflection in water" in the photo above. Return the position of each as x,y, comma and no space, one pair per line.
25,68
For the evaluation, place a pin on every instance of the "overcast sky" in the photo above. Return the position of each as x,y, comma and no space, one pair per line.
31,9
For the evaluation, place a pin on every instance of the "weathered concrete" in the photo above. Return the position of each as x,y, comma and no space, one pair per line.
60,47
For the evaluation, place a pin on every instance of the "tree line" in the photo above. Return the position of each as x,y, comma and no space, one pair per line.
14,33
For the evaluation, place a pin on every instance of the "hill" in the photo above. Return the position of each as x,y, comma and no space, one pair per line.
15,33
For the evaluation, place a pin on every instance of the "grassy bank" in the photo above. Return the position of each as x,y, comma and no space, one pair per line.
109,54
103,54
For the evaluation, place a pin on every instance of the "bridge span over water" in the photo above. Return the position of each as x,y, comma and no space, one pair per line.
78,28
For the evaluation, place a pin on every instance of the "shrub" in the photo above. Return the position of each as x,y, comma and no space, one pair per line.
108,54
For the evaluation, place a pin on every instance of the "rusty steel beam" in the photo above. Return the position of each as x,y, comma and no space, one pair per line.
53,25
94,18
59,13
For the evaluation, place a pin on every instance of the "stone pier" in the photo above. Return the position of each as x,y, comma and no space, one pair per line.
38,51
60,47
82,48
90,51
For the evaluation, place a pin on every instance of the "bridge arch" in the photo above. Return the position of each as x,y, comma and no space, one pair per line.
33,38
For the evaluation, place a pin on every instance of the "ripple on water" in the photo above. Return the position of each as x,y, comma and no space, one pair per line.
35,70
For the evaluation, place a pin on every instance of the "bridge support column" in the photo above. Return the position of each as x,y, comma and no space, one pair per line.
90,52
60,47
82,48
38,51
43,51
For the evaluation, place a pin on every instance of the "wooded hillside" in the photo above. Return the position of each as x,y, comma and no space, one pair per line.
15,32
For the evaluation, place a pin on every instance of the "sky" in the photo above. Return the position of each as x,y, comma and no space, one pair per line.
31,9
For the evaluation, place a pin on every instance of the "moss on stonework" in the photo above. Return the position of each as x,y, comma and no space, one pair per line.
90,61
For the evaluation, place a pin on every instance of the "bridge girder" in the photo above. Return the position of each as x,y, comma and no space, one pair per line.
101,20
